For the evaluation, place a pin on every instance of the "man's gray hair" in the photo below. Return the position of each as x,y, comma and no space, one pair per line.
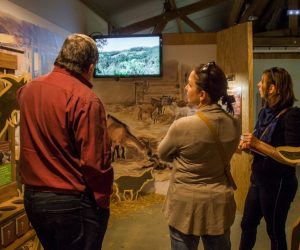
77,54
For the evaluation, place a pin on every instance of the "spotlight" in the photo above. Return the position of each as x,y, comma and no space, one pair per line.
293,12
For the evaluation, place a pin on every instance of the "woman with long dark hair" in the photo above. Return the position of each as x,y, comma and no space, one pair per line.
273,180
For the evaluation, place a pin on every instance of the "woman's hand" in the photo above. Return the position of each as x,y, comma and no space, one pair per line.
248,140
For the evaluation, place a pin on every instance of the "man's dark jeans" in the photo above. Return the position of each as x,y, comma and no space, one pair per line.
66,221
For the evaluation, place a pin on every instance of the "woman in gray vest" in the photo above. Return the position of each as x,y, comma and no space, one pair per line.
200,202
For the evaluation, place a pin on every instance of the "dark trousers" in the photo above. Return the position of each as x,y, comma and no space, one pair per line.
271,201
66,221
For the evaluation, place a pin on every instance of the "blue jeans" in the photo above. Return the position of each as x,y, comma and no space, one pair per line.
271,201
66,221
180,241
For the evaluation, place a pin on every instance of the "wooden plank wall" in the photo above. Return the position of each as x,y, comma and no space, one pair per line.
235,56
8,61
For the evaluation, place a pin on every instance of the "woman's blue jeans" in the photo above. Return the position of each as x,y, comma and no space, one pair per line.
66,221
180,241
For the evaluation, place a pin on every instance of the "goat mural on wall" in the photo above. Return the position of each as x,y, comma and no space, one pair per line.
132,185
122,138
155,108
9,84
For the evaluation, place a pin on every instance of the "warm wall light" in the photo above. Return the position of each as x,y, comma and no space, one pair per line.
230,77
293,12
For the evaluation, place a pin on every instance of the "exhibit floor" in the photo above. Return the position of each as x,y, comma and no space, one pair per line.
144,228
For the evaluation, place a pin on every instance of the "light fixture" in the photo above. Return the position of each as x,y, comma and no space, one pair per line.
293,12
252,18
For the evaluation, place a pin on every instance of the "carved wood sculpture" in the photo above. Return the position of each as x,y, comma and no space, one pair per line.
132,185
9,84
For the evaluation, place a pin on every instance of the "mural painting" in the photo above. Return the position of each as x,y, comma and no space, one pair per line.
36,47
135,128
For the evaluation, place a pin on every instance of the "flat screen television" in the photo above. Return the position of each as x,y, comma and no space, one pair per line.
129,56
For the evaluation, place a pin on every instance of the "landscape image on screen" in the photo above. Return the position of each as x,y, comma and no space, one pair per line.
128,56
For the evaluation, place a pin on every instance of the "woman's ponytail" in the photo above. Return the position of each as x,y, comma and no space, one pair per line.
228,100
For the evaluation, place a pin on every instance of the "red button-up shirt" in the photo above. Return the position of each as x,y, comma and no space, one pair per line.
63,133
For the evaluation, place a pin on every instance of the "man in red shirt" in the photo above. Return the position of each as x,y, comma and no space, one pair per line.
65,160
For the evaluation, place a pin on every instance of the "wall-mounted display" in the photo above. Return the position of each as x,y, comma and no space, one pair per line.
129,56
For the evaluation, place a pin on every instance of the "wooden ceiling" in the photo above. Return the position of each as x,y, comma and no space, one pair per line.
269,17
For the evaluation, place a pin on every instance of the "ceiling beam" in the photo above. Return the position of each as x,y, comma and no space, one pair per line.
235,12
276,41
256,8
285,32
178,21
276,55
293,20
269,20
189,38
192,24
183,11
159,27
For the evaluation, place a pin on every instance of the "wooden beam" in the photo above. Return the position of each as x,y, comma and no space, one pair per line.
192,24
256,8
178,21
274,33
293,20
189,38
235,12
276,55
159,27
269,20
276,41
183,11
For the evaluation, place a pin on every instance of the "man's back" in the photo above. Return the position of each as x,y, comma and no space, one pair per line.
65,160
51,109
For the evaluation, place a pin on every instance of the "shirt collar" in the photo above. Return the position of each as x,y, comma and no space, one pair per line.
211,107
79,77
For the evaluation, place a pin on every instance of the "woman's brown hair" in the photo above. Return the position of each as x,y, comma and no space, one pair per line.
284,96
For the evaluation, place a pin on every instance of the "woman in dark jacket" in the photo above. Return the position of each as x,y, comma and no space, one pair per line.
273,180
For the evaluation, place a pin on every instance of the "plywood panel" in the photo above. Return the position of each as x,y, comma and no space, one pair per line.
8,61
189,38
235,56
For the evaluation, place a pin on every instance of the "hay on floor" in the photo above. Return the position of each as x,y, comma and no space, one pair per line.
121,208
